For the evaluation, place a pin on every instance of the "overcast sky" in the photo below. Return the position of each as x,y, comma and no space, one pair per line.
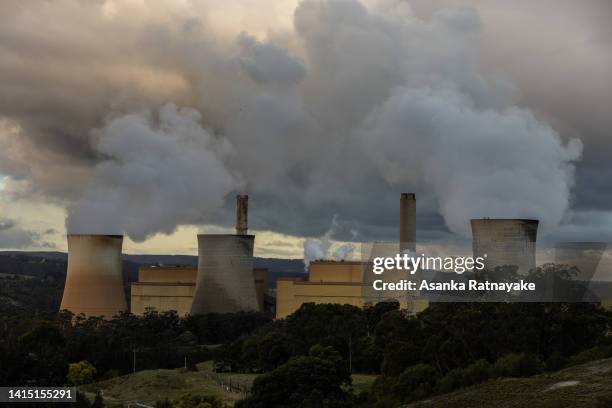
145,118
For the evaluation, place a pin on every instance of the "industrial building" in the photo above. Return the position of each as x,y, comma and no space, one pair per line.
348,282
505,242
94,277
224,281
163,288
328,282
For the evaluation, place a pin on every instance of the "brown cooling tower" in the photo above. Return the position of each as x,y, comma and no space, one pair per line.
94,280
408,222
505,242
242,210
225,275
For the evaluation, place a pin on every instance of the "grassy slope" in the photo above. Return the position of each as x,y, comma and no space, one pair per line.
585,386
153,385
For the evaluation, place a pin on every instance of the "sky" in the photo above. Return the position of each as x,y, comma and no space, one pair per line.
146,118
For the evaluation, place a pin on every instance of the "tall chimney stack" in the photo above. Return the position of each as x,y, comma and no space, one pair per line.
242,210
408,222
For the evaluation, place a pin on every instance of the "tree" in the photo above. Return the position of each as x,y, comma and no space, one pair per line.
199,401
416,382
44,361
518,365
81,373
304,381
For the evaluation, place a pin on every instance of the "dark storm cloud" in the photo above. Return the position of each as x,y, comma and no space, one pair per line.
329,121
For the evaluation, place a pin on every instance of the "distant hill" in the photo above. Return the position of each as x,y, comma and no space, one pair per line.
45,264
584,386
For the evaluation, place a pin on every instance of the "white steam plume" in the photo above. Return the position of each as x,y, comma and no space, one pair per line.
160,171
321,248
479,162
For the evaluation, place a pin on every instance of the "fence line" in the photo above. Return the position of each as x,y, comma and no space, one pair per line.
227,384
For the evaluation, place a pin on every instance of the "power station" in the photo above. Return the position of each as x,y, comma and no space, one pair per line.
225,280
350,282
171,287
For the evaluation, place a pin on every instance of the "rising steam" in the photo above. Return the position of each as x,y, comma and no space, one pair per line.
160,171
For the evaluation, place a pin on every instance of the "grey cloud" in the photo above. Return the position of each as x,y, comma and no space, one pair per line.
13,236
269,63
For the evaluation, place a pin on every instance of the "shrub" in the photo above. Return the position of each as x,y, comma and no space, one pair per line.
555,362
416,382
80,373
518,365
592,354
476,372
450,382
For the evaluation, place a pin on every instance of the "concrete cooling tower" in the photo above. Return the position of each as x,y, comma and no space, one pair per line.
224,282
94,280
505,242
584,256
225,275
407,222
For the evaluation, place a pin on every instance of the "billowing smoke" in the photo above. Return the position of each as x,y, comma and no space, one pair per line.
315,248
322,248
480,163
160,170
334,113
343,252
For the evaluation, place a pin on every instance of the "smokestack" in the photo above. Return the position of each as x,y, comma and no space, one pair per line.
225,275
242,213
505,242
94,279
408,222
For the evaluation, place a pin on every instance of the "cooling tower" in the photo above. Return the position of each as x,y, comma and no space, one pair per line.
225,275
407,222
505,242
94,280
242,210
584,256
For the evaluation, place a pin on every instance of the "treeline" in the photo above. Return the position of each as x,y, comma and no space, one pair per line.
29,295
37,350
445,347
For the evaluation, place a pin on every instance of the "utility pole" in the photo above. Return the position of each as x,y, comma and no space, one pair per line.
350,354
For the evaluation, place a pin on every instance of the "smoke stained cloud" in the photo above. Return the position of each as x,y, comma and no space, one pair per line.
152,119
